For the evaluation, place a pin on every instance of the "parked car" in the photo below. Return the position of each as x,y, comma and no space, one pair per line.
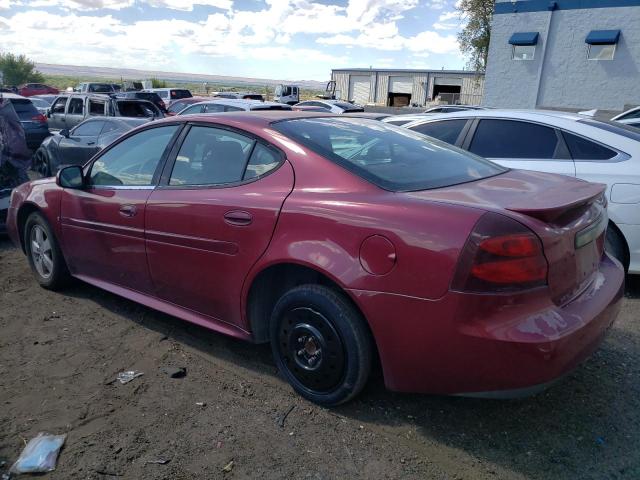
95,87
240,96
78,145
229,105
149,96
630,117
68,111
453,108
369,115
333,106
404,119
308,108
178,105
31,89
41,105
338,240
47,98
557,142
169,95
33,122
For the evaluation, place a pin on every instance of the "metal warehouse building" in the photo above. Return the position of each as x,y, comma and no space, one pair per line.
398,88
565,54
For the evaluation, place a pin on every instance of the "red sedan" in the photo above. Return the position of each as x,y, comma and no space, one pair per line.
337,240
31,89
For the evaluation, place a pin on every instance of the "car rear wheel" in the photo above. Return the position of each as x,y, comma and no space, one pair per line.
41,163
615,246
321,344
43,252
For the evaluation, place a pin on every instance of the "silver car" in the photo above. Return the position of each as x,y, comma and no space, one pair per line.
231,105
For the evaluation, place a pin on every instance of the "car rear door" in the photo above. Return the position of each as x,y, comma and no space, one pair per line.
520,144
75,112
212,217
103,224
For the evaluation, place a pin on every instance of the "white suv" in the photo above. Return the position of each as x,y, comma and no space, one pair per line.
557,142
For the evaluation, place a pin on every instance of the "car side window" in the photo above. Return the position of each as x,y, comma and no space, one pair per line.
133,161
192,110
88,129
211,156
213,107
110,127
76,106
229,108
58,106
513,139
583,149
96,107
447,130
177,106
263,160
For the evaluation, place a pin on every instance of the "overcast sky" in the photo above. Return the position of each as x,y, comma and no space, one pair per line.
279,39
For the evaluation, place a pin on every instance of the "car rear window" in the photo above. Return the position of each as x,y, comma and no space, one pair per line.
177,94
393,158
100,88
24,108
271,107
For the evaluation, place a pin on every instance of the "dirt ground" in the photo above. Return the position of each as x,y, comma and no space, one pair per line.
60,352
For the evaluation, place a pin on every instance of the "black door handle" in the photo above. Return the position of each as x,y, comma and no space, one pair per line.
91,143
238,218
128,210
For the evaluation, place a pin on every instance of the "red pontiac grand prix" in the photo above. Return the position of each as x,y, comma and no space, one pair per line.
337,240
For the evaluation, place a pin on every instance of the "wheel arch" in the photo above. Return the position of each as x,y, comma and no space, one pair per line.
625,245
25,210
272,281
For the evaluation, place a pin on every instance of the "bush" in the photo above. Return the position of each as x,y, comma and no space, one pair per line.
18,69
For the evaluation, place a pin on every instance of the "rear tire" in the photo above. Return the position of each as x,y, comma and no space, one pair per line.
321,344
45,258
616,246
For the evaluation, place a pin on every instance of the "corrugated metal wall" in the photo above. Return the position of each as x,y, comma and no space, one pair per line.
383,88
472,90
420,84
342,84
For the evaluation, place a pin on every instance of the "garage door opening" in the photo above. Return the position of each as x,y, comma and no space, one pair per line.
399,99
448,93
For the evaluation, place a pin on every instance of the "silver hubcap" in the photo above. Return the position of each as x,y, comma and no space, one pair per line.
41,251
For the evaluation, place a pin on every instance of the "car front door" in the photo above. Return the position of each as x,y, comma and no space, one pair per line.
103,224
81,144
212,217
521,144
75,112
57,114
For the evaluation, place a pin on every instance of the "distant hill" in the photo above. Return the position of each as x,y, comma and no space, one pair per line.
176,77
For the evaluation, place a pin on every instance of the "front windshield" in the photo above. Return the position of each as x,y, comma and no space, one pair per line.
393,158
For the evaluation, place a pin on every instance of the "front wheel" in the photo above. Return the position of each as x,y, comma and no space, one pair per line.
321,344
41,163
43,252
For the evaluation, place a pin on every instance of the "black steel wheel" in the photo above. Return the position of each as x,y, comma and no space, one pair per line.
321,344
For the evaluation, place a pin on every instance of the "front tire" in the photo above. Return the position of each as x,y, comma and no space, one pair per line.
41,163
321,344
45,258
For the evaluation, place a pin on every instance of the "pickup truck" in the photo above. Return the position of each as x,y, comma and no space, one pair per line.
69,110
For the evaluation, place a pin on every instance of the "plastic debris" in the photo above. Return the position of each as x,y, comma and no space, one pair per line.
126,377
228,467
201,404
40,454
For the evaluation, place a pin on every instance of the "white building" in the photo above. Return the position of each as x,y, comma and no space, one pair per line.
399,88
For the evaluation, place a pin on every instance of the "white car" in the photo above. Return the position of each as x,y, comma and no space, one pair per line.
630,117
412,117
332,106
557,142
231,105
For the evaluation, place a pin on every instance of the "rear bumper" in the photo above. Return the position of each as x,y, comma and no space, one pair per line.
488,345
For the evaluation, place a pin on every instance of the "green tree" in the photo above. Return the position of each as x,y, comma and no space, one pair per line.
18,69
155,83
474,37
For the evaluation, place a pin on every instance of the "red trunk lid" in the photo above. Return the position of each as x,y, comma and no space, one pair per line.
569,216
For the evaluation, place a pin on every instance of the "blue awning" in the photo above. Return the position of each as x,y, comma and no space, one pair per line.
524,38
603,37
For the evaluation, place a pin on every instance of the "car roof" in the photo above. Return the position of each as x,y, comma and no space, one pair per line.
371,115
506,113
12,96
237,102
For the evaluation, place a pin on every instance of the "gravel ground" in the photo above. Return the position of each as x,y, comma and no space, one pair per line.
60,354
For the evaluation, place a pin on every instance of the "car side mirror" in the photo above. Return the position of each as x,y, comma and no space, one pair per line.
71,177
48,113
64,132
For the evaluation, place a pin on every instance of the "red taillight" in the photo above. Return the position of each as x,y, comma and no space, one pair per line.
40,118
501,255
